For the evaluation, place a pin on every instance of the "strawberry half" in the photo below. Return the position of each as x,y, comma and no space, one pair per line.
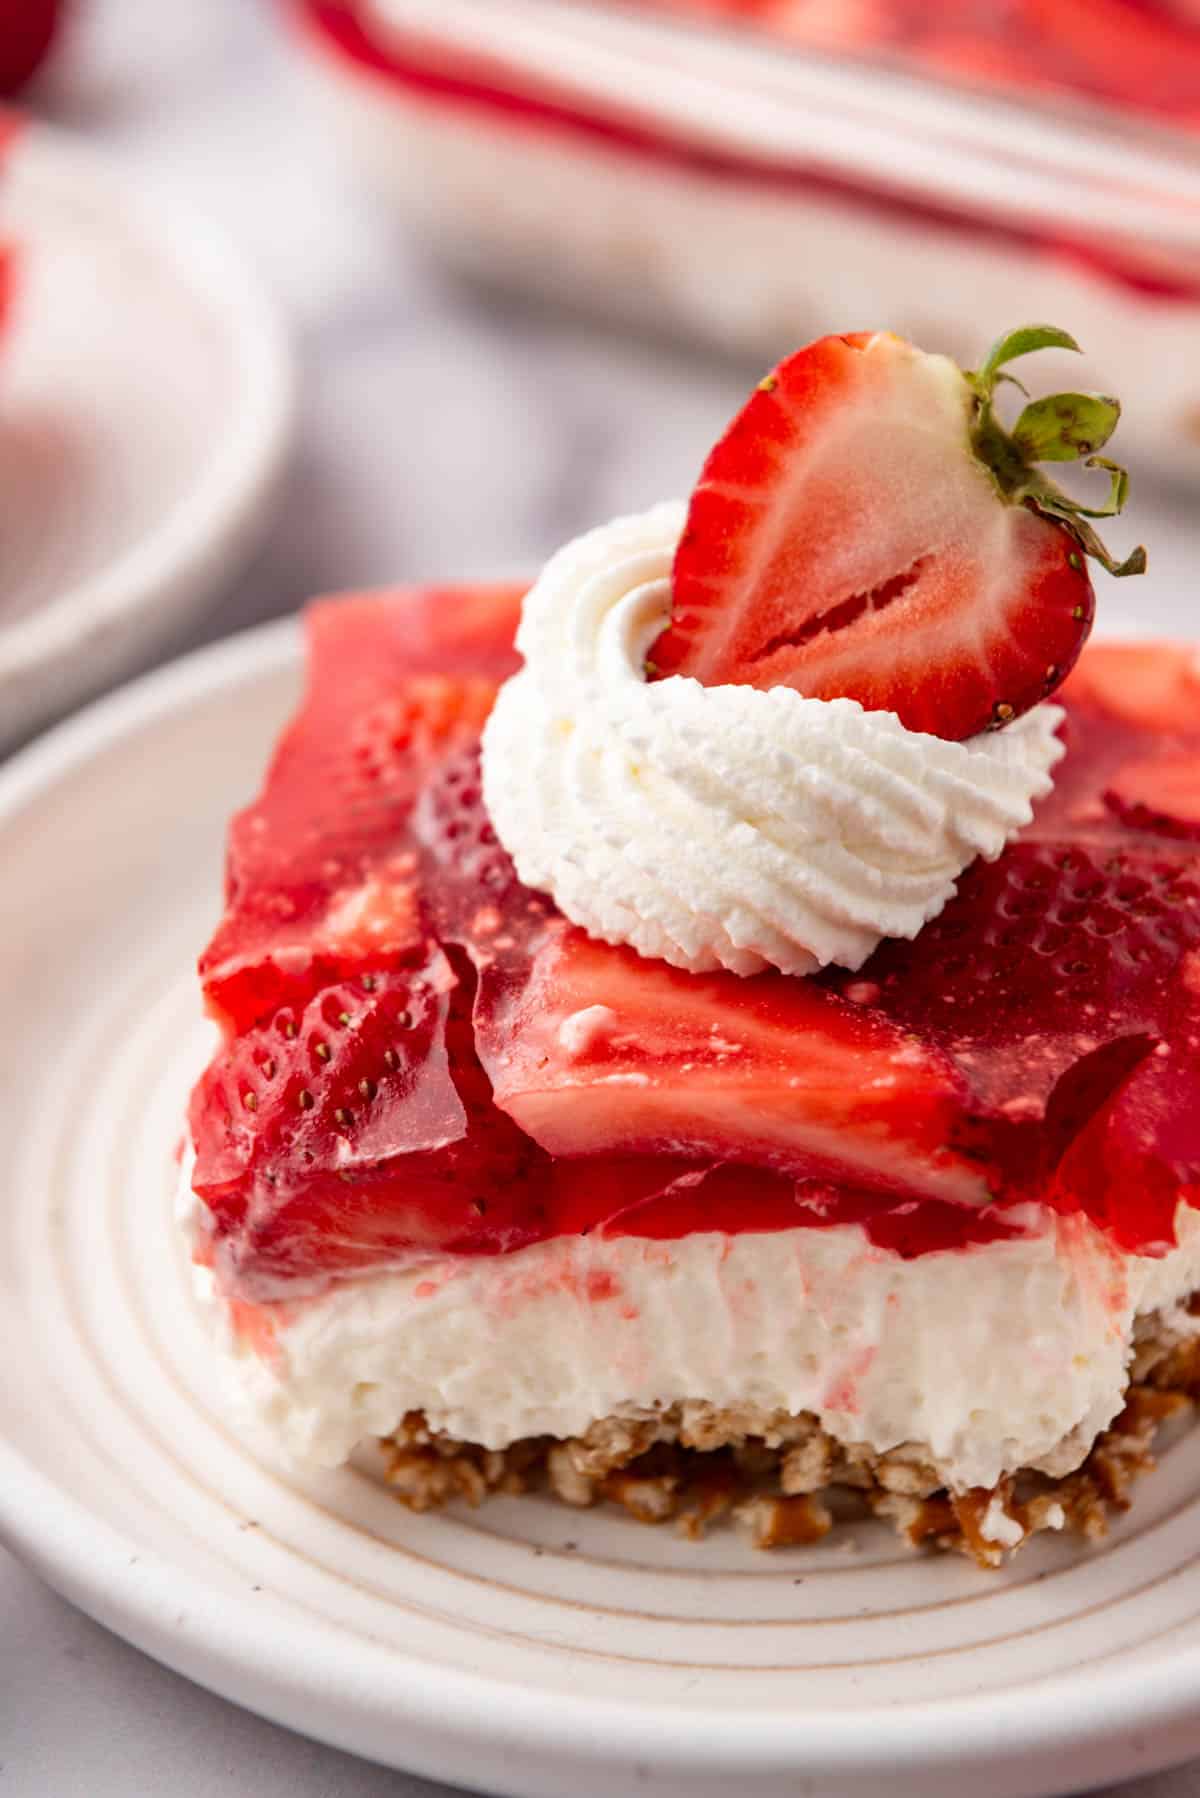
867,528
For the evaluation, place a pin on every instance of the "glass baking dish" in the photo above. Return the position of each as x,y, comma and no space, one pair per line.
755,172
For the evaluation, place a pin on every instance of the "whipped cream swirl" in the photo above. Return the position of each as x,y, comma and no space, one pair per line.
727,827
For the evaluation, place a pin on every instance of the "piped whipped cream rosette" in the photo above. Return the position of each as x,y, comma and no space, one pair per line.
727,826
773,727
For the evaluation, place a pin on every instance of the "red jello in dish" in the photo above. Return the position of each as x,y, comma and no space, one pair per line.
534,1208
742,173
1143,55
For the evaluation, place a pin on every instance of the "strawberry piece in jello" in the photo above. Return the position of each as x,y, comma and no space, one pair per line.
336,1136
1057,979
319,875
597,1049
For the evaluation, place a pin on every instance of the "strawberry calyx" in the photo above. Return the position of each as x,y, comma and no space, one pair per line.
1060,427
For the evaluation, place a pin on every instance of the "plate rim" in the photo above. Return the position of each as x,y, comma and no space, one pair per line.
233,490
229,1639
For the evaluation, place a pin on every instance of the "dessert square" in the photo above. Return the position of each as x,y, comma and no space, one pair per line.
709,1098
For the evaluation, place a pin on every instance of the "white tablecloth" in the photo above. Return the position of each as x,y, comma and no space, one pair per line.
443,433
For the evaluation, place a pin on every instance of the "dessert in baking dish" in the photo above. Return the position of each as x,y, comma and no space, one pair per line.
737,1047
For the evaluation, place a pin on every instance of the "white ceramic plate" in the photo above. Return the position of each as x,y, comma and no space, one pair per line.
523,1648
145,404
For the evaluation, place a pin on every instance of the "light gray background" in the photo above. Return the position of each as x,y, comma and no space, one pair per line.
442,433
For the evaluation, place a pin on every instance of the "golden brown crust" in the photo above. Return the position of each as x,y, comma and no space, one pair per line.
787,1481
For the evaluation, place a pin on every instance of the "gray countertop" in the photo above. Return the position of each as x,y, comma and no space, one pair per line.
442,432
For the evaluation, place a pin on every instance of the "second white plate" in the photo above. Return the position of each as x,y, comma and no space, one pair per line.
522,1648
145,409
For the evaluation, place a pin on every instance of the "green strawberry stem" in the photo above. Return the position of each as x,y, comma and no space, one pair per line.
1063,427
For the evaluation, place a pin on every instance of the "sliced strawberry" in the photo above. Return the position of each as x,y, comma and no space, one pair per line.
339,1136
866,528
360,644
1040,958
474,898
596,1051
1152,686
1160,795
1140,1154
1133,732
319,877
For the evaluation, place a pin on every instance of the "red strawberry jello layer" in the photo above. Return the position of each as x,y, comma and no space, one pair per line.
456,1158
421,1054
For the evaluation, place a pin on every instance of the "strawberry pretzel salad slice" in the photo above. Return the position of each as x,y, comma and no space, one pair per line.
718,1033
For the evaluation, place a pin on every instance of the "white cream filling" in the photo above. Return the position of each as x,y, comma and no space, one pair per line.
723,826
1004,1355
